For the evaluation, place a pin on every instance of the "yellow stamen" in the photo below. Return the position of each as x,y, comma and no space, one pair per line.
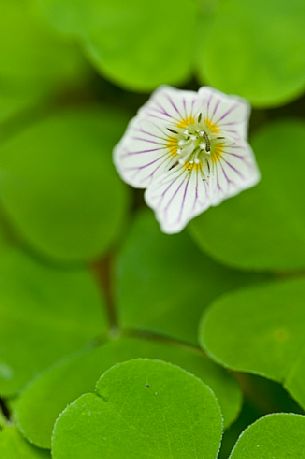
172,145
185,122
211,126
190,166
216,152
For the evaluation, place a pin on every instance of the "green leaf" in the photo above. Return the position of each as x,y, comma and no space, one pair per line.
142,408
255,49
35,63
261,330
174,281
137,45
13,446
12,104
33,59
279,436
59,187
42,401
44,315
263,228
2,421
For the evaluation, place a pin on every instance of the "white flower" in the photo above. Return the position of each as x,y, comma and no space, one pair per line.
189,150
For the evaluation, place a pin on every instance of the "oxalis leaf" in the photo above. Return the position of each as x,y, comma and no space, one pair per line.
231,44
42,401
142,408
33,59
260,330
44,314
13,446
174,280
263,228
58,185
279,436
244,50
149,408
130,42
2,421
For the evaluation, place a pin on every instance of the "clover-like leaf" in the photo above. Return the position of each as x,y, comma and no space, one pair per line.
263,228
58,185
261,330
13,446
34,59
279,436
44,314
142,408
35,62
134,44
12,103
237,46
2,420
44,398
255,49
174,281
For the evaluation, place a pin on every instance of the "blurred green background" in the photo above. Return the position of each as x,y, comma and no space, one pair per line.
86,277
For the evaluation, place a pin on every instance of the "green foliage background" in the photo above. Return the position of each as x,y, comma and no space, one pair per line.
117,341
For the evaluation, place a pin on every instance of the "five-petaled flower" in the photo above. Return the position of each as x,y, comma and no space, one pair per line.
189,150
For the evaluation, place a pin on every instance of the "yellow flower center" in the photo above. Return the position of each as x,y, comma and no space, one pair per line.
195,142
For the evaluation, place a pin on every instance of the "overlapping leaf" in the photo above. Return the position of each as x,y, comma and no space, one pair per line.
275,436
255,49
135,44
231,44
263,228
44,314
35,62
44,399
142,408
261,330
149,408
13,446
163,283
58,185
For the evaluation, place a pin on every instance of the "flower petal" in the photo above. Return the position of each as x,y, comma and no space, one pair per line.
147,148
142,152
234,170
189,151
178,196
172,105
229,113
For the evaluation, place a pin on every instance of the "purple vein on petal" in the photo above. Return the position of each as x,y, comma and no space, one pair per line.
230,110
150,133
173,105
141,152
168,188
229,181
174,195
233,168
236,146
216,108
161,109
229,123
235,155
183,200
147,140
208,105
151,174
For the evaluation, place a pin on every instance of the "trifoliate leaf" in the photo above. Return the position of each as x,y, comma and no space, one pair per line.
142,408
263,228
59,187
44,398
